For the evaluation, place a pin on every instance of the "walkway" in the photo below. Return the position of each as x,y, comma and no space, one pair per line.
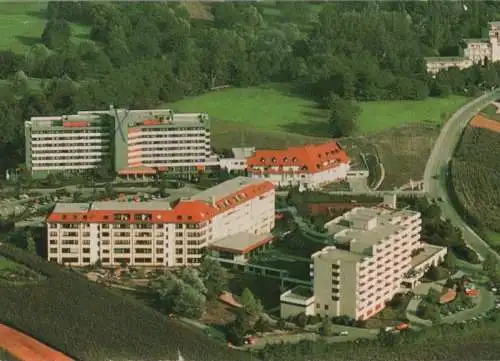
26,348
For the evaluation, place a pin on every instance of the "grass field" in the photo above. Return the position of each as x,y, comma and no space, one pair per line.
22,24
7,264
275,107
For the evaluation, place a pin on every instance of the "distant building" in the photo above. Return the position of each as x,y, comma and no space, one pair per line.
310,166
475,51
232,214
238,162
378,253
134,142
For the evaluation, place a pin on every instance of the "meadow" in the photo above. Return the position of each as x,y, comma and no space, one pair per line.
275,107
22,24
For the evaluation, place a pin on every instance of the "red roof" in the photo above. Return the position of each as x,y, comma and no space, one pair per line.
186,211
311,158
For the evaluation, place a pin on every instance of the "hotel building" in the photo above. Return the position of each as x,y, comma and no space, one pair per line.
310,166
475,51
377,252
154,233
137,142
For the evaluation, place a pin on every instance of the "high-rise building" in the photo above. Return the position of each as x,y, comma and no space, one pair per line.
154,233
377,253
132,142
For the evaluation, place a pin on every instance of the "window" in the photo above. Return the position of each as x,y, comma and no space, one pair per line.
86,260
335,290
327,307
335,298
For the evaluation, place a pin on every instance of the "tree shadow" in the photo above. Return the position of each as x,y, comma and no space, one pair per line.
312,129
28,40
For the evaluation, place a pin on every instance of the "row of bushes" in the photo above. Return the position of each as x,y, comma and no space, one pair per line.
90,322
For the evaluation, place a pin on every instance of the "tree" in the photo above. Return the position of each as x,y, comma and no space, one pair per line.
191,277
343,116
10,63
250,303
432,273
189,302
30,242
237,329
301,320
214,277
327,328
56,33
490,263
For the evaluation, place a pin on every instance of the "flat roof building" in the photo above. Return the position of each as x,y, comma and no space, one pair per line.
155,233
377,253
135,142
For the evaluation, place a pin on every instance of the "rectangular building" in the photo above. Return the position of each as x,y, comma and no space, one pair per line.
154,233
309,166
135,142
367,266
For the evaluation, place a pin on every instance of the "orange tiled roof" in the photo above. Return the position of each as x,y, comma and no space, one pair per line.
310,158
187,211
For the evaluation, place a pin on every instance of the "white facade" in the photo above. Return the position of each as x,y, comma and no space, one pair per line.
310,166
138,140
151,233
64,147
368,265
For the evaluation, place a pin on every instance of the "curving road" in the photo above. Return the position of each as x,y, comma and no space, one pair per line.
437,164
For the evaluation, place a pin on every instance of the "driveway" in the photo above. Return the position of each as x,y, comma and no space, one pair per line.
437,166
484,303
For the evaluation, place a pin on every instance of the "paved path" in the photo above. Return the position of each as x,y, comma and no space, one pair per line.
26,348
436,168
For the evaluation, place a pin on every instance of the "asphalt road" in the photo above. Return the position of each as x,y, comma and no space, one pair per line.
437,164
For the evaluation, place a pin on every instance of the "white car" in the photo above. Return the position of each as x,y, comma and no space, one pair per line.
344,333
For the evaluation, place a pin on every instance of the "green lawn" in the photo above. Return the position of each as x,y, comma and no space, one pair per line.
381,115
22,24
275,108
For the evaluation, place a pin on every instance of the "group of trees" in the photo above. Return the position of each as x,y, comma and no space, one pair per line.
142,54
439,231
187,292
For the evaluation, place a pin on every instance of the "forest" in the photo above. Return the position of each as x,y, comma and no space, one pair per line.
141,55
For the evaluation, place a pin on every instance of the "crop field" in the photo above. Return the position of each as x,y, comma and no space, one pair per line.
91,323
475,177
22,24
486,122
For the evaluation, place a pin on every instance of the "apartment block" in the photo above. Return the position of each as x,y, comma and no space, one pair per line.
475,51
137,142
377,253
310,166
156,233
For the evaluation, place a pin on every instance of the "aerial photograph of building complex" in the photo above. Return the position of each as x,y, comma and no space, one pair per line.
249,181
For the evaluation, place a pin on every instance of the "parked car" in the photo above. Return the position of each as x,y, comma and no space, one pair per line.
344,333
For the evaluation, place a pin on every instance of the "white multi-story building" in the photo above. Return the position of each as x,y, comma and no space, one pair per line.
156,234
475,51
138,142
375,252
309,166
